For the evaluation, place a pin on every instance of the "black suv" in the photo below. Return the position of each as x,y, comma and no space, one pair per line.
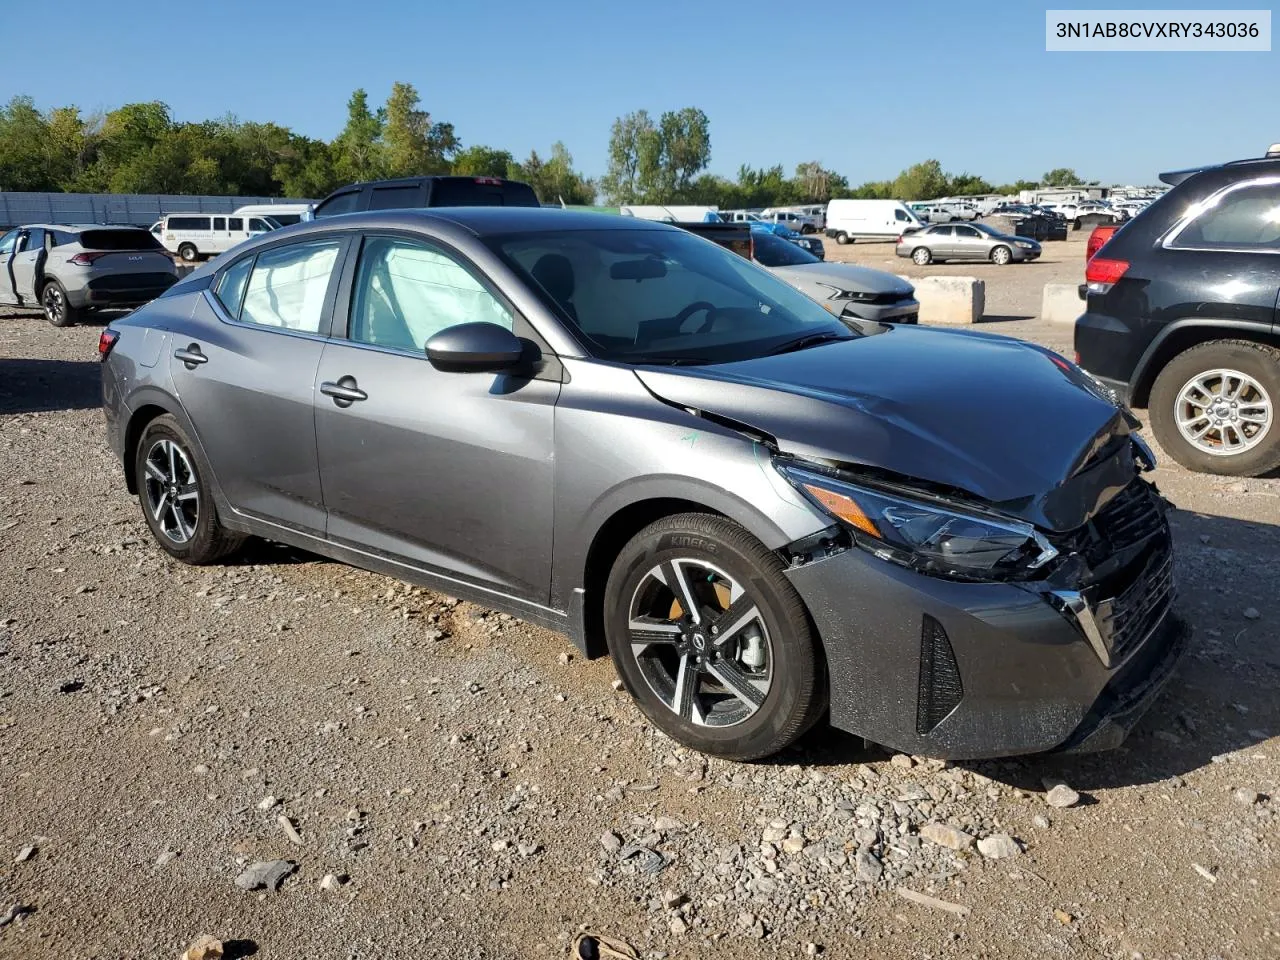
412,192
1181,316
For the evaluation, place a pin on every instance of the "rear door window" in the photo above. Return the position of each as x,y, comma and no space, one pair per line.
395,198
466,192
231,286
343,203
235,223
219,223
1247,217
288,285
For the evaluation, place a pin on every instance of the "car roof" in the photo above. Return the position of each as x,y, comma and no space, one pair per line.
485,221
78,227
1246,167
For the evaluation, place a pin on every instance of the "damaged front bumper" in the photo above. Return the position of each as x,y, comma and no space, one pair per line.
967,670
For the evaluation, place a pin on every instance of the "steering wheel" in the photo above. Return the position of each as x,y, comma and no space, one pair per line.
693,308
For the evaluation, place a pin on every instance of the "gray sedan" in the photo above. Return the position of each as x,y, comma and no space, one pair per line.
966,241
621,431
844,289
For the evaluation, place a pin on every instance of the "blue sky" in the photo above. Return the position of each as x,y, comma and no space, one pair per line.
864,87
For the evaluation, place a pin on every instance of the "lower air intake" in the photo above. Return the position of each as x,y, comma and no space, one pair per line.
940,689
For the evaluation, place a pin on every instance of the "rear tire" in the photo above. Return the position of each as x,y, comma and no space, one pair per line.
57,307
922,256
188,252
1172,399
176,497
1001,255
744,696
842,238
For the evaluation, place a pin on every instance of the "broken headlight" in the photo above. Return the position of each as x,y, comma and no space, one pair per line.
927,535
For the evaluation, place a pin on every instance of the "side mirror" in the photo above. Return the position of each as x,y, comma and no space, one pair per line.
474,348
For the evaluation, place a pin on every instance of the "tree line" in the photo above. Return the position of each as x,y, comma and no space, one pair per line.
141,148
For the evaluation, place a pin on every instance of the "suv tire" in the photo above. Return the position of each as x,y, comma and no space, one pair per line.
774,656
1255,361
56,306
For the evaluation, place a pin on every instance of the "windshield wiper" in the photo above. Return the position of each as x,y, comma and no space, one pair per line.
809,340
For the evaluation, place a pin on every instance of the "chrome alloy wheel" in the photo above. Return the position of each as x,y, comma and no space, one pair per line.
1223,412
701,643
173,499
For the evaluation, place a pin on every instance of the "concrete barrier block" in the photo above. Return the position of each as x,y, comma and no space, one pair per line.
951,300
1061,303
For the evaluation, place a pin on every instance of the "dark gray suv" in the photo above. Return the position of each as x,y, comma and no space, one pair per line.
627,433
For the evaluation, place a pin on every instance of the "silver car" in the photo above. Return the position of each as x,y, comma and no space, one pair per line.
966,241
622,431
845,289
68,270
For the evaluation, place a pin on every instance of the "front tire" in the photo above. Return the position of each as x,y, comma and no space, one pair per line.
1213,408
57,306
176,498
712,640
842,238
1000,256
922,256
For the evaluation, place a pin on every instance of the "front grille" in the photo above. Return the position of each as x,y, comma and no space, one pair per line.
1129,588
1130,517
132,281
1126,620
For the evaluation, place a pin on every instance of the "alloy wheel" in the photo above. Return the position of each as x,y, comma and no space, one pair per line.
921,256
1223,412
55,305
1000,256
700,642
172,495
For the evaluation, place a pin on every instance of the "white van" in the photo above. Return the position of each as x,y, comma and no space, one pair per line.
195,235
849,220
285,214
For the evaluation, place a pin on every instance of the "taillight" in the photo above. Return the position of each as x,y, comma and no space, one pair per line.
899,240
84,259
106,340
1099,237
494,181
1102,273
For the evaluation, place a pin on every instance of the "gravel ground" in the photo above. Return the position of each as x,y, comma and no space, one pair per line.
441,780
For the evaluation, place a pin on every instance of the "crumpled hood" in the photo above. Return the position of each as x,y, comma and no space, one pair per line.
985,414
844,276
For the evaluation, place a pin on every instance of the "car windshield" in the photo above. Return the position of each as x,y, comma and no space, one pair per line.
663,295
773,251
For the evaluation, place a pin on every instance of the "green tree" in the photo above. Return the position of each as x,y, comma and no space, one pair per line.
413,145
1060,177
481,161
24,147
635,159
965,184
357,151
813,183
921,181
554,179
685,150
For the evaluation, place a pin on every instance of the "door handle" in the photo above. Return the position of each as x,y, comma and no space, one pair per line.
344,391
191,356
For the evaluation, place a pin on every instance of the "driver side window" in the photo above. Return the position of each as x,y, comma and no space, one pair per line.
406,291
8,241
